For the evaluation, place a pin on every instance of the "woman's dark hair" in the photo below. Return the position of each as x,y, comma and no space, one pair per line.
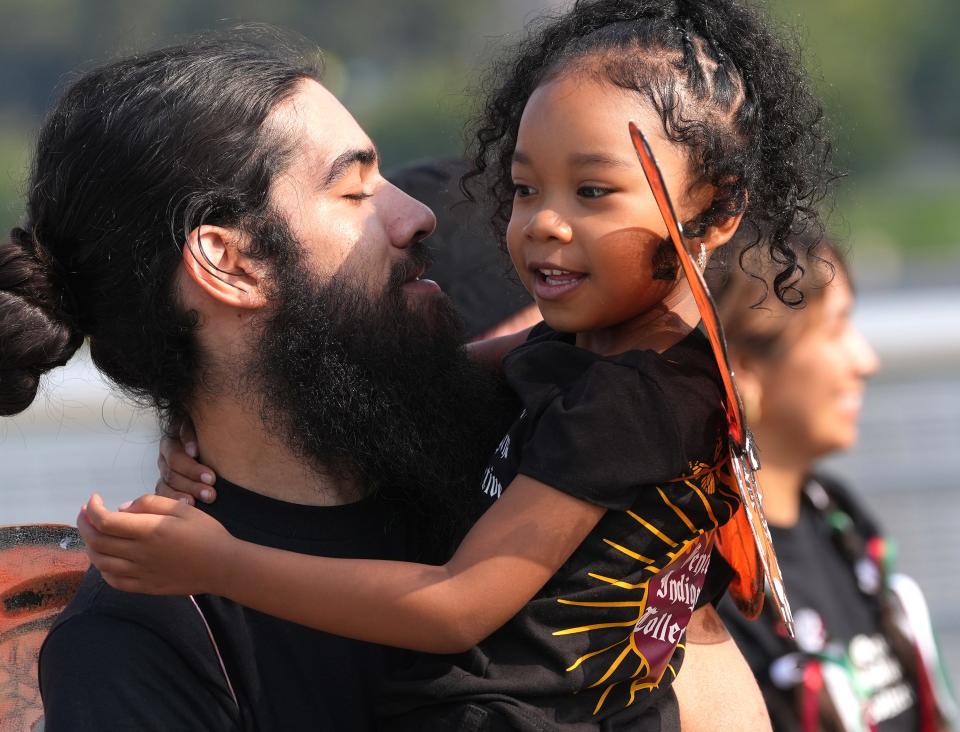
723,86
135,155
756,329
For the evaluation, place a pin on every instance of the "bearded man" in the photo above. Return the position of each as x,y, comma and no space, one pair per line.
213,221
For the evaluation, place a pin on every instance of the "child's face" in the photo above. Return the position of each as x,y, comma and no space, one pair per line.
585,227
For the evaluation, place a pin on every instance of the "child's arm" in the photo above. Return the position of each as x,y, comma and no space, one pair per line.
518,544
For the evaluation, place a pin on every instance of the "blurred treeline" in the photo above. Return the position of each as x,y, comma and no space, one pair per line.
889,73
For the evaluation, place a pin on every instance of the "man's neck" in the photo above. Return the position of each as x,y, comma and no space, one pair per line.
235,443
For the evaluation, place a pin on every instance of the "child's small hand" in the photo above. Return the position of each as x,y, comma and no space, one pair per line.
181,476
156,546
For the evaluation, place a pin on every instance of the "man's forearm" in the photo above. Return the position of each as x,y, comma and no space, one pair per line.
715,689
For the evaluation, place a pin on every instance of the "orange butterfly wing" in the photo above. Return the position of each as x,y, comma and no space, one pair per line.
745,540
735,543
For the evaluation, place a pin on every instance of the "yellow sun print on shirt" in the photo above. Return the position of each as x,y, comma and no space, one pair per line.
662,599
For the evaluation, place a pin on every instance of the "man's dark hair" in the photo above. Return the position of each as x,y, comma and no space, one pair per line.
134,156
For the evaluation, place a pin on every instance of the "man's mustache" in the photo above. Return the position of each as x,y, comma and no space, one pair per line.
417,260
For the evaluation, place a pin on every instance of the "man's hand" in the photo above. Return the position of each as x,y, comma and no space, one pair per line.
157,546
489,352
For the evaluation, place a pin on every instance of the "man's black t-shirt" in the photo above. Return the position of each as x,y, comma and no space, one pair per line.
597,647
835,618
118,661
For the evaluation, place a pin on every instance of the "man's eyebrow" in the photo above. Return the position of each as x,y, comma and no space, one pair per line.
346,160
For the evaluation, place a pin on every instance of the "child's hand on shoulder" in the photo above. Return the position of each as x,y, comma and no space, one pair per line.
156,546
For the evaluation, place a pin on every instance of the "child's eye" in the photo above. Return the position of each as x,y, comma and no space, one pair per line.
593,191
522,191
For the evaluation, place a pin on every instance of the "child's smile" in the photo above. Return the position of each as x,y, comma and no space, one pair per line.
552,283
585,228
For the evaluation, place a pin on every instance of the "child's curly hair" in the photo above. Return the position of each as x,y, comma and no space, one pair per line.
723,85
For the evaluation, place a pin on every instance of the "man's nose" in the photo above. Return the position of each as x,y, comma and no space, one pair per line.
410,221
546,225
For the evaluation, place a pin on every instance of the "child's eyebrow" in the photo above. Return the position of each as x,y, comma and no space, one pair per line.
583,160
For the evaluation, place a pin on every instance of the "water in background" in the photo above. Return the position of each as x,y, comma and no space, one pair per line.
79,437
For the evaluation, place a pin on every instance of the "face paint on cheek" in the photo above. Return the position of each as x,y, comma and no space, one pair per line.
666,266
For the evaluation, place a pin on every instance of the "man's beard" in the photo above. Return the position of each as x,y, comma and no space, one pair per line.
379,391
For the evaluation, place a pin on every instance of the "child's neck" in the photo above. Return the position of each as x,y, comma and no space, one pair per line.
656,329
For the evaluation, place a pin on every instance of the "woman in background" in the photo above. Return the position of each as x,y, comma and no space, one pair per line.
853,664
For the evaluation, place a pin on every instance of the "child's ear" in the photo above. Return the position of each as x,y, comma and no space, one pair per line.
720,233
214,260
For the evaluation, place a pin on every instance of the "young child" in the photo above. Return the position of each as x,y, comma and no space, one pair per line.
567,602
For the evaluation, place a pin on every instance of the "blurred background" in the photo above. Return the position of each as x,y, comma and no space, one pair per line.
889,73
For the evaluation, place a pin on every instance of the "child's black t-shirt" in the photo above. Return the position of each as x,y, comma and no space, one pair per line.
643,435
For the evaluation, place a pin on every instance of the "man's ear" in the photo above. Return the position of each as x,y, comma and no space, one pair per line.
213,259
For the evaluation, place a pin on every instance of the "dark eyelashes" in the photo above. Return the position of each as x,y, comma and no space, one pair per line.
595,191
589,192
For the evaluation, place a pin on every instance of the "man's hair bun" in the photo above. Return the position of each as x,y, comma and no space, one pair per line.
37,325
